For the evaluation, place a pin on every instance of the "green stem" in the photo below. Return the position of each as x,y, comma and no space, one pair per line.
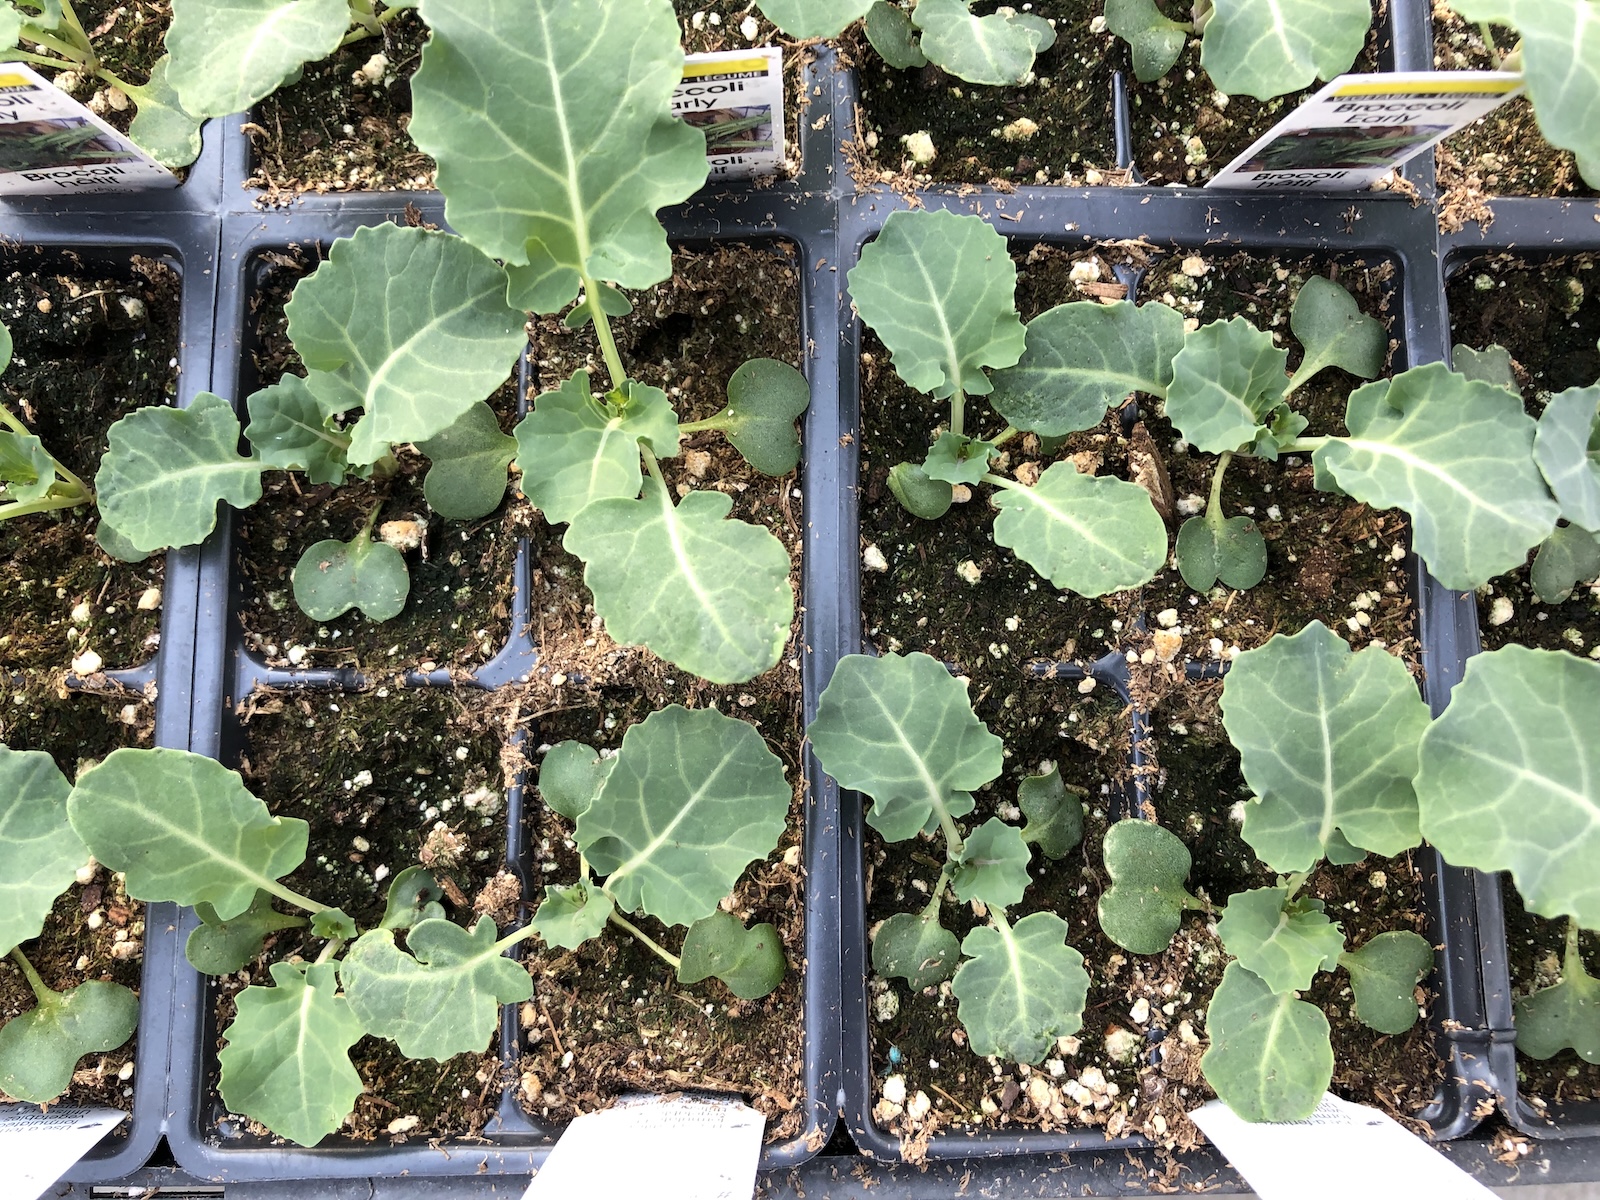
74,54
372,520
1002,481
719,421
958,413
932,905
1572,959
1305,445
1214,505
77,25
39,60
48,504
953,844
284,892
333,947
1004,436
653,466
602,330
41,991
1488,44
666,956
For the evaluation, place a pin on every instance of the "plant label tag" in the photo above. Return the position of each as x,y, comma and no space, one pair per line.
38,1148
735,97
1334,1154
52,145
665,1147
1360,127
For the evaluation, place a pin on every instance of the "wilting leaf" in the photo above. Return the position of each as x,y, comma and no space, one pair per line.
569,916
413,898
958,459
570,777
1055,815
1566,446
218,947
1568,557
993,865
916,948
1492,364
919,495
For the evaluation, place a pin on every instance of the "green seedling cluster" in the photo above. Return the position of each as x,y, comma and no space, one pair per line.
32,480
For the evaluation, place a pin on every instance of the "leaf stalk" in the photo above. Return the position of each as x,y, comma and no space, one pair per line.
41,990
622,922
602,330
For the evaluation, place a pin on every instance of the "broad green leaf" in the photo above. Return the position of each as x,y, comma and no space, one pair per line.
555,139
117,546
1507,777
1270,1058
161,127
409,325
1564,1016
1455,454
1226,382
27,472
1155,39
993,866
938,289
439,997
1266,48
749,961
39,853
901,729
648,415
414,897
694,798
958,459
1383,978
1327,740
1568,557
224,55
10,32
764,398
1082,358
40,1049
916,948
1143,907
570,777
289,429
994,50
1283,943
1213,547
218,947
813,18
892,35
1087,534
43,14
569,916
572,452
467,478
920,496
183,828
707,594
287,1061
166,470
1020,988
1041,25
332,577
1566,445
1490,365
1334,332
1055,815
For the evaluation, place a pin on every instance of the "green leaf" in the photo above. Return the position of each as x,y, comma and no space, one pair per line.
39,853
901,729
1156,40
443,997
1568,557
166,470
1143,907
1021,987
764,398
1226,382
10,32
555,139
648,415
290,429
332,577
1282,943
27,472
938,289
707,594
40,1049
414,896
813,18
1334,332
287,1061
1564,1016
1566,445
1082,358
409,325
570,916
1087,534
920,496
1055,815
1383,977
958,459
1455,454
1507,777
161,127
1271,1058
333,924
994,50
183,828
612,303
5,346
916,948
993,866
224,55
117,546
570,777
749,961
218,947
694,798
1327,740
573,452
1213,547
1266,48
1490,365
892,35
467,478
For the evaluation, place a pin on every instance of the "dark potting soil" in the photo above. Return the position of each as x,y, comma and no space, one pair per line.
1535,946
89,348
1548,316
458,610
128,37
1055,129
388,779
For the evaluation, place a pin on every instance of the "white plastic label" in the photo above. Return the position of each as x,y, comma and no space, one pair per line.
663,1147
52,145
1334,1154
735,97
1360,127
38,1148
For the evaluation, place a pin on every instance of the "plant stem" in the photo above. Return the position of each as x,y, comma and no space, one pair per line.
1572,958
284,892
372,520
41,992
938,891
48,504
953,844
652,465
77,26
602,330
333,947
73,54
1488,44
1004,436
666,956
1214,505
39,60
719,421
1305,445
1002,481
958,413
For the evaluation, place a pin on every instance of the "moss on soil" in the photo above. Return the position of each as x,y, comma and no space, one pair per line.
1535,947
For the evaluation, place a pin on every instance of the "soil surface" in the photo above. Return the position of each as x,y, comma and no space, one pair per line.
459,608
127,35
89,348
1535,947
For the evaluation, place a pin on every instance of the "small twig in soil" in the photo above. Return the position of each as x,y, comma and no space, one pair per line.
554,1036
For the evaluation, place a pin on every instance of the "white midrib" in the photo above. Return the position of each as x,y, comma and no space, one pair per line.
558,99
1274,1027
265,882
303,1040
661,838
935,792
944,324
1406,457
612,427
1078,527
400,353
1329,792
1014,960
669,518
